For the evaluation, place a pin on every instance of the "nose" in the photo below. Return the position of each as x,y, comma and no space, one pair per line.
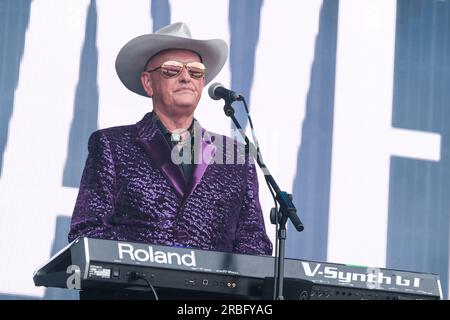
185,76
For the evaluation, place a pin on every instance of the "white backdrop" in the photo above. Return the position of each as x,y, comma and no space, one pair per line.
31,191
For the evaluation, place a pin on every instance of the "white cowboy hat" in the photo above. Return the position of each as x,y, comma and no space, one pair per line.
133,56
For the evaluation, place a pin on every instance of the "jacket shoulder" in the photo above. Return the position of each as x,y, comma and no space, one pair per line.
115,133
226,140
117,130
231,148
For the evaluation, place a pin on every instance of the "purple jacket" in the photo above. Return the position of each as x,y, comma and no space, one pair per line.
132,191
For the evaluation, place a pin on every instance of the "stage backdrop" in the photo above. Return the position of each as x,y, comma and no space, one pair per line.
350,100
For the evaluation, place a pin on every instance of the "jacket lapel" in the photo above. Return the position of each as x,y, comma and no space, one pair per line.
158,150
204,154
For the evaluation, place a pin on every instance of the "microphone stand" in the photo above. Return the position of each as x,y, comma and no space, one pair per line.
286,211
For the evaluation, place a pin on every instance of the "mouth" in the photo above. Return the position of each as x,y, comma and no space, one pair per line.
185,90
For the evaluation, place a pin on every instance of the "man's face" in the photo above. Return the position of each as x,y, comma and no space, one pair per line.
179,94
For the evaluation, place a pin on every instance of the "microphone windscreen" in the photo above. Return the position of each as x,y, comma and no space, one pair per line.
213,88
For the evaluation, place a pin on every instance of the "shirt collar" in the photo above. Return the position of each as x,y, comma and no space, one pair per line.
172,137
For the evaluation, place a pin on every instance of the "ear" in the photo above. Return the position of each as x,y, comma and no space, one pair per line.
146,82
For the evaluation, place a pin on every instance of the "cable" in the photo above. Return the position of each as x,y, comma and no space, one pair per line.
258,153
272,192
276,236
136,276
250,122
151,287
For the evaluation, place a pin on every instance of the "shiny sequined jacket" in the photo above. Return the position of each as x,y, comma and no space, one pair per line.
131,190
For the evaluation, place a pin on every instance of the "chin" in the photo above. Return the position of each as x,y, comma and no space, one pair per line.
186,107
186,104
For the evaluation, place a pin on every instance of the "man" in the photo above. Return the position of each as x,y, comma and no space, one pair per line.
133,190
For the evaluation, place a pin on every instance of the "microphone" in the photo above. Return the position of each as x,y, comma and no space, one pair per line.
217,91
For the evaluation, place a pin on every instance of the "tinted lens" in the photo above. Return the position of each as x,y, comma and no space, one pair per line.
196,69
171,68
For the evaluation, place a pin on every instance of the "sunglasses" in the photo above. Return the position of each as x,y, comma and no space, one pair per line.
170,69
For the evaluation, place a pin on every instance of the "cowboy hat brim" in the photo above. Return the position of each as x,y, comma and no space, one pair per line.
131,59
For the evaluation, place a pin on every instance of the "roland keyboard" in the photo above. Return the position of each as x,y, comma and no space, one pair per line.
88,264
